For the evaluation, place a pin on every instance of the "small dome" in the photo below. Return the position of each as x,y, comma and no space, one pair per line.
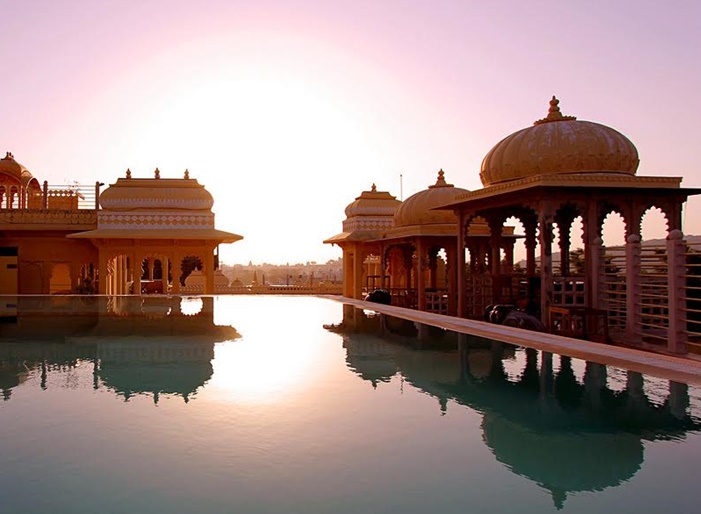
557,145
418,208
157,193
373,203
9,166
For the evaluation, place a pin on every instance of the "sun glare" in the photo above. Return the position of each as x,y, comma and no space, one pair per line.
250,372
261,367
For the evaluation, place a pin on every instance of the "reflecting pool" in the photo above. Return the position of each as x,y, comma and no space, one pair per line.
267,404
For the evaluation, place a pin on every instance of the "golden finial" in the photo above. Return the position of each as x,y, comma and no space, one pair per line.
157,173
187,174
554,113
128,173
440,182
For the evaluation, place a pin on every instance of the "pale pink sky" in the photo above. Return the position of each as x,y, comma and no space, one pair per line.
287,110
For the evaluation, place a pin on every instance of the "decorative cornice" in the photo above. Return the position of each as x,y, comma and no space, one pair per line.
571,180
355,224
155,221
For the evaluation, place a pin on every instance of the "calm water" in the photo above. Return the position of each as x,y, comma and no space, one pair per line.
300,405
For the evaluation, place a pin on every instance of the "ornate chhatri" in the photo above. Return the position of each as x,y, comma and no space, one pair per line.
418,209
367,216
158,193
559,144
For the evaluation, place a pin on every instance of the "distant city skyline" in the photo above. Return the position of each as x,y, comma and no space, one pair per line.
287,111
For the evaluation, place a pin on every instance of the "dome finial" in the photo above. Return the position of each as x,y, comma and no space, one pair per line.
554,113
440,182
187,174
373,188
157,173
128,173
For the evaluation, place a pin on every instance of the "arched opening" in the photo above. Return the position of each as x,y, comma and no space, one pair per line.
569,264
191,277
60,281
653,282
373,273
612,270
13,198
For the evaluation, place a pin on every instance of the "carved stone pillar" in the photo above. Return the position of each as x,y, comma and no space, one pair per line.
496,229
164,273
139,271
433,267
420,274
358,258
177,261
565,228
545,222
102,271
208,269
460,264
633,288
508,246
593,260
132,271
347,272
676,286
383,267
118,275
408,261
451,269
530,243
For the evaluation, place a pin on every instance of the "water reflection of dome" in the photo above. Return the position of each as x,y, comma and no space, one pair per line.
154,367
132,350
564,462
370,358
11,375
565,435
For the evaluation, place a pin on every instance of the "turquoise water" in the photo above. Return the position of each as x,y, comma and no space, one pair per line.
301,405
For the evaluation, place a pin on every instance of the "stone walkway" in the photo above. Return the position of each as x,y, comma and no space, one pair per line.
675,368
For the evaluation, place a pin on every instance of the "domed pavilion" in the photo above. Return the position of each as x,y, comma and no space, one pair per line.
548,176
367,217
552,173
156,219
400,250
18,187
72,239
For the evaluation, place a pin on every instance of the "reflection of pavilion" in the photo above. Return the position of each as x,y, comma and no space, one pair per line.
566,435
160,351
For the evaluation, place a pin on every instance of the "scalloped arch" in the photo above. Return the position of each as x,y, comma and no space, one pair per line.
654,208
